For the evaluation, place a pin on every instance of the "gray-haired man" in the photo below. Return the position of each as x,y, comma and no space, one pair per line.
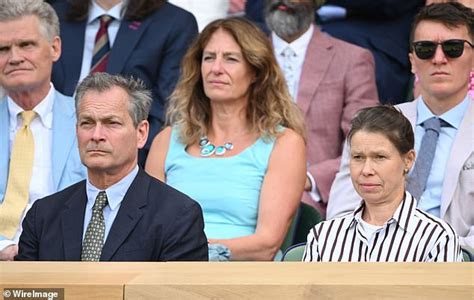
38,147
119,213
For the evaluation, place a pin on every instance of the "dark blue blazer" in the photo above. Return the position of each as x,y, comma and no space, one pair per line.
154,223
255,11
150,49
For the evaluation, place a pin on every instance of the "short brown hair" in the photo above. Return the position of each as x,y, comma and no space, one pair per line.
450,14
387,120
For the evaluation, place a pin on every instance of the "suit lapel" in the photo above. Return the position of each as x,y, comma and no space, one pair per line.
72,220
318,58
460,151
63,135
4,143
129,214
128,36
409,111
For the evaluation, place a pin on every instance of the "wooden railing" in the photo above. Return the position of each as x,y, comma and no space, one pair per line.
242,280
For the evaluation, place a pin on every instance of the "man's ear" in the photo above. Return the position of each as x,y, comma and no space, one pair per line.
56,48
143,129
411,57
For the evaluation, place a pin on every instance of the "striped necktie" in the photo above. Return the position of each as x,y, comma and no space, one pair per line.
19,177
102,46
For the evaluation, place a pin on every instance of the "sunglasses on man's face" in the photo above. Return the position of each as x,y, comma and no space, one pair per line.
451,48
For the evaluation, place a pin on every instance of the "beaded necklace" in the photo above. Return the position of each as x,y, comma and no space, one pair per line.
208,149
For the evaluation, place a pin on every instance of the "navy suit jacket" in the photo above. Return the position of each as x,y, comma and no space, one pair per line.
150,49
154,223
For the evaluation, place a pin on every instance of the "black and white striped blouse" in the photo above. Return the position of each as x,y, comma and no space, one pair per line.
411,235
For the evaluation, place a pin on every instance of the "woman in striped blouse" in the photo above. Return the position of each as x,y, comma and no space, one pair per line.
386,226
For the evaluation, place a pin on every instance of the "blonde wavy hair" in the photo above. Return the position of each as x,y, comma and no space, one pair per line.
269,102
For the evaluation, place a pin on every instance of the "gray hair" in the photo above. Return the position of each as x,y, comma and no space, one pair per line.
48,19
139,97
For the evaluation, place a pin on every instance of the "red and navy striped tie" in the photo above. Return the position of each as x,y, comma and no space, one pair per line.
102,46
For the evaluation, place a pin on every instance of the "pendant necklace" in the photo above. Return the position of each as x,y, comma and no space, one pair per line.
208,149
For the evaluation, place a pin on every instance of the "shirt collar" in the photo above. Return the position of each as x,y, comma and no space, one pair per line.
402,215
115,193
405,212
299,45
357,214
44,110
454,116
95,11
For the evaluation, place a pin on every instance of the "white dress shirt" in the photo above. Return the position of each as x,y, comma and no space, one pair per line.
41,184
299,46
93,24
410,235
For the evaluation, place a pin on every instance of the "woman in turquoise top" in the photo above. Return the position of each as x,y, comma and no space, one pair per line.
236,140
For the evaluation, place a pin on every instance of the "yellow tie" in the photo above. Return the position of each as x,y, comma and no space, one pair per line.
21,166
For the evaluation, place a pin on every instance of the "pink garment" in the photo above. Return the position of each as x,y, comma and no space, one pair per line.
471,85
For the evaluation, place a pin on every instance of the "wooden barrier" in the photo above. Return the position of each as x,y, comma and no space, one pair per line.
244,280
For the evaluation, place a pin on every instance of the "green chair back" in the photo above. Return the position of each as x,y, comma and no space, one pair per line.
294,253
305,219
466,255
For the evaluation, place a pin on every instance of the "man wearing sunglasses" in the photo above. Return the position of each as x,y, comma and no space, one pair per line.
442,57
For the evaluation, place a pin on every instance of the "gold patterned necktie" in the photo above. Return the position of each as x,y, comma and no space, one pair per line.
19,177
94,238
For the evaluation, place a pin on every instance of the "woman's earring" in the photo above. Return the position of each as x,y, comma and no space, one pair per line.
405,171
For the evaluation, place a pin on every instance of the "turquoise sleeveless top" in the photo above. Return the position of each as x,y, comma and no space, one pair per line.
227,188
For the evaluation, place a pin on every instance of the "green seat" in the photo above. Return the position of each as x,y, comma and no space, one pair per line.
294,253
306,217
466,255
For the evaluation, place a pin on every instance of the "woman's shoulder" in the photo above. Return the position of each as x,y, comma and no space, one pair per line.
164,135
289,141
436,221
288,135
326,226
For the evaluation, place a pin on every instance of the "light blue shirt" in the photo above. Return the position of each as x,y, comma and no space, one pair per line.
115,194
431,198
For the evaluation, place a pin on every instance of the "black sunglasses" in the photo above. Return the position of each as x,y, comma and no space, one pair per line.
451,48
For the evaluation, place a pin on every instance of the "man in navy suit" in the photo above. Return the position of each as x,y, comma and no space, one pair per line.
119,213
147,39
